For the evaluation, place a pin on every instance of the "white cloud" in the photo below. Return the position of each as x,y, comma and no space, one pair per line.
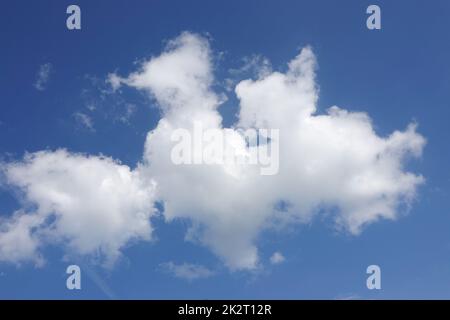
187,271
17,241
333,162
114,81
277,258
93,205
43,76
84,120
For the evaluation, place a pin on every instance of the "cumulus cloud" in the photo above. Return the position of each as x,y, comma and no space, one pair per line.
92,205
332,163
43,76
187,271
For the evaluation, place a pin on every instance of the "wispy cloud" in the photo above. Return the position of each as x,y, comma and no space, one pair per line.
84,120
43,76
251,66
101,97
277,258
129,110
99,282
187,271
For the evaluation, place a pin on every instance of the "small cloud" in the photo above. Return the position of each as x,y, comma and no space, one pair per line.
84,120
91,106
43,76
130,109
187,271
102,96
114,81
277,258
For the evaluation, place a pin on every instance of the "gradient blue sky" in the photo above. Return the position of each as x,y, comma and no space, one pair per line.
398,74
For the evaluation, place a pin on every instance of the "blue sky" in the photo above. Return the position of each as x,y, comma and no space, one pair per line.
397,75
